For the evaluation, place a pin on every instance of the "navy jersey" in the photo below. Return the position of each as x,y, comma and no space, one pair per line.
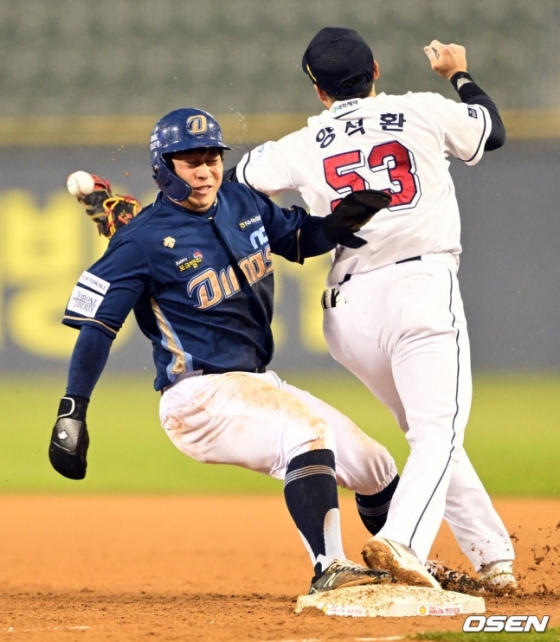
201,285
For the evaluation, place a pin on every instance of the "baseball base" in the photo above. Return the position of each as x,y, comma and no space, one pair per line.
391,601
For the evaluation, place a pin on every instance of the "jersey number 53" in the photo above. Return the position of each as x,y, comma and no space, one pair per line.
393,158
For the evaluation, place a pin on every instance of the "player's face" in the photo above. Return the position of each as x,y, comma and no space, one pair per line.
203,170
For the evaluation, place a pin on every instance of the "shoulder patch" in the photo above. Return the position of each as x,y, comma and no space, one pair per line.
84,302
94,282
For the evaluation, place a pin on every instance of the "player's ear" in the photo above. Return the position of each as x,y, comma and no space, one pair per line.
170,162
375,70
322,96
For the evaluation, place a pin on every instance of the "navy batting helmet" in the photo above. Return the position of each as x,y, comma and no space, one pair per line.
181,130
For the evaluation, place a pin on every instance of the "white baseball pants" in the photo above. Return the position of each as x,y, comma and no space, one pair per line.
259,422
402,331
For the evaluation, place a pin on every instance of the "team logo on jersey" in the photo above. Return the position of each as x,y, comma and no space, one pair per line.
197,124
249,221
169,241
258,238
473,113
189,262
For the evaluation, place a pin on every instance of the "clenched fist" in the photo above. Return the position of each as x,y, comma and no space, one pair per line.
446,60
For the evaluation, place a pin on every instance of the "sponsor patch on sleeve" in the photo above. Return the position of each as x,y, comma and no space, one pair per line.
473,113
94,282
84,302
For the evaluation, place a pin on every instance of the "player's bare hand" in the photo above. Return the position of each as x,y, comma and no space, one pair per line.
446,60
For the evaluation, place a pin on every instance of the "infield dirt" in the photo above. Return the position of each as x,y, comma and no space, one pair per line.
225,568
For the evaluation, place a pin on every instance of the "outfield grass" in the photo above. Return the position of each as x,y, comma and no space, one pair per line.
513,436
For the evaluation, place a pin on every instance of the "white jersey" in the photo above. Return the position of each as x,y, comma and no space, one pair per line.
399,144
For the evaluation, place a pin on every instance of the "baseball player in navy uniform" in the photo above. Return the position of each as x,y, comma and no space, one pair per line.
196,267
393,313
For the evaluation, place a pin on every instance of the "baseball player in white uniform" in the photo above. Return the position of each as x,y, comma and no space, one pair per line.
393,313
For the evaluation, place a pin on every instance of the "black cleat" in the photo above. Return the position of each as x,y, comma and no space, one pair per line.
343,573
456,581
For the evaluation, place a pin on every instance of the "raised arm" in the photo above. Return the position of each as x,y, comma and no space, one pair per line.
450,62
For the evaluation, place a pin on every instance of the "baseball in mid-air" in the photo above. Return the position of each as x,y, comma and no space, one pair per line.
80,184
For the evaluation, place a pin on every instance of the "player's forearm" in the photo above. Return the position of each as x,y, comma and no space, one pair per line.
88,360
70,439
471,93
313,241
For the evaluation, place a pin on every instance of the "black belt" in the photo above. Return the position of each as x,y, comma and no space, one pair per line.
347,277
414,258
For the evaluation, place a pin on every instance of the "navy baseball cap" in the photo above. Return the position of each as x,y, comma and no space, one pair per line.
339,61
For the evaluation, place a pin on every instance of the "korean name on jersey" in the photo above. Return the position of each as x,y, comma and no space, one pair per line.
386,142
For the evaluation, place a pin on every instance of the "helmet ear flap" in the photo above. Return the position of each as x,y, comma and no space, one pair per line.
169,183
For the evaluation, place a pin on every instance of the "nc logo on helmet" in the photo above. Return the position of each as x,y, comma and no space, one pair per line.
197,124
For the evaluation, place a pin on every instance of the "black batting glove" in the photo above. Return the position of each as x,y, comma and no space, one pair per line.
351,214
70,439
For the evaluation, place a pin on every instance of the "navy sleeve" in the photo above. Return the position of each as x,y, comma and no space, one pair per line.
88,360
282,226
313,240
109,289
292,232
471,93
